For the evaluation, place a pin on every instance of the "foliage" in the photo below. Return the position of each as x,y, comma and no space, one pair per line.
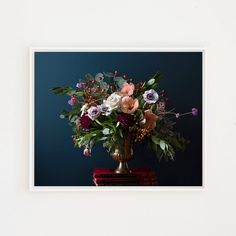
107,105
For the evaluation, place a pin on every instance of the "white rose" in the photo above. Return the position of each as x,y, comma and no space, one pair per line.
113,101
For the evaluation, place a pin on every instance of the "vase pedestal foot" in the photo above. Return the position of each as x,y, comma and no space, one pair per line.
122,168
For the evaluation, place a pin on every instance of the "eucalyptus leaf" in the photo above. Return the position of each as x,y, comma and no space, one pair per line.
151,81
99,77
108,74
162,144
155,140
89,77
119,81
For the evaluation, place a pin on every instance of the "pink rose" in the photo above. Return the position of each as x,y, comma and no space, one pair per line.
128,89
129,105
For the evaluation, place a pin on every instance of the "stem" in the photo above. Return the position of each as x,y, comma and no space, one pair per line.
167,113
186,113
98,122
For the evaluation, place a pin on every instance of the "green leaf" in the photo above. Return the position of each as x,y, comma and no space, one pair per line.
103,138
157,77
108,74
162,144
155,140
119,81
73,118
121,135
98,76
151,81
64,91
89,77
79,93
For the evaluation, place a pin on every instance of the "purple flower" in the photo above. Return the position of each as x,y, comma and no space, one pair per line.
150,96
94,112
177,115
105,109
194,111
80,85
125,119
85,122
72,101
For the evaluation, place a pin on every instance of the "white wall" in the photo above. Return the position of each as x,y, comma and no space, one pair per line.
150,23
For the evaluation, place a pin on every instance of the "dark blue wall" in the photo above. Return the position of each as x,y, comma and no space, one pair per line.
58,163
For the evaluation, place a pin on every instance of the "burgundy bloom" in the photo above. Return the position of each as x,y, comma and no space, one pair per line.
85,122
125,119
194,111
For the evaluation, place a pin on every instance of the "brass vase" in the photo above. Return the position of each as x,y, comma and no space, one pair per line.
123,152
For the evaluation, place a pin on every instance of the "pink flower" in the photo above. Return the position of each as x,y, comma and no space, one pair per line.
129,105
128,89
72,101
177,115
87,152
194,111
150,119
94,112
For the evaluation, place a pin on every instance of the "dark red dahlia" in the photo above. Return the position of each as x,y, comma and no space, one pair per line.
85,122
125,119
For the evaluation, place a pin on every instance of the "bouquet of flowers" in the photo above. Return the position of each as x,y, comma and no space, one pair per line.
109,107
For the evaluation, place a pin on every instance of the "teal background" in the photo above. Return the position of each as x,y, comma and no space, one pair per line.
58,163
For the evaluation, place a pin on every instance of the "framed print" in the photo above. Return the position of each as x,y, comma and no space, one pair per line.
116,118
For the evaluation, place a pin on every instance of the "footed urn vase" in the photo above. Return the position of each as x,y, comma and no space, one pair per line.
123,152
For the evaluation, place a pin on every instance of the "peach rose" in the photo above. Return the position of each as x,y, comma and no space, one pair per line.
128,89
149,121
129,105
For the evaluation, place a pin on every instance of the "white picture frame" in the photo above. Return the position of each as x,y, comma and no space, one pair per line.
32,187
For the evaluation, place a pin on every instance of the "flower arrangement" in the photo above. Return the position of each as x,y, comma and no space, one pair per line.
109,106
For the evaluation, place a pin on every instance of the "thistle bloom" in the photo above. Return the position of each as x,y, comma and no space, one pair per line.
194,111
94,112
150,96
128,89
125,119
129,105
